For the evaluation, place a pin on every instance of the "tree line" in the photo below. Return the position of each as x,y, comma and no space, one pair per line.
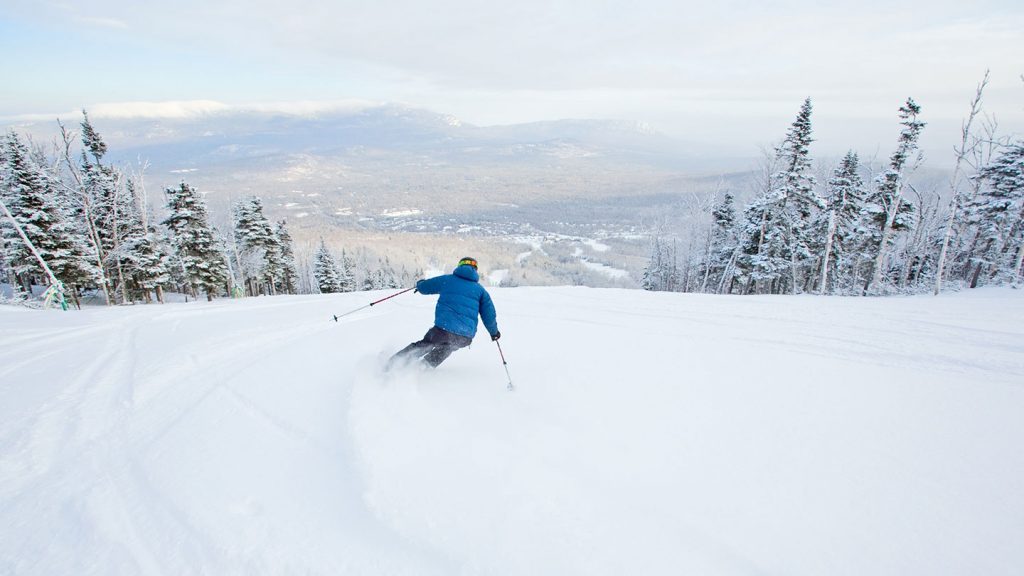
79,225
332,275
860,231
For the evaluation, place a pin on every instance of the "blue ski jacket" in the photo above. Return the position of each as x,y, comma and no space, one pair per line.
462,299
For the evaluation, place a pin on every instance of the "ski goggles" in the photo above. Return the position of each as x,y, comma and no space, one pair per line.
468,262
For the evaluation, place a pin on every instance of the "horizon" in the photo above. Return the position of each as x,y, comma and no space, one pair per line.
829,142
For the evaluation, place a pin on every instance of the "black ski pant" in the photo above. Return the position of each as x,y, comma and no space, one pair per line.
437,345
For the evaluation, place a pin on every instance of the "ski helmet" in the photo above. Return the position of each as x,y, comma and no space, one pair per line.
467,261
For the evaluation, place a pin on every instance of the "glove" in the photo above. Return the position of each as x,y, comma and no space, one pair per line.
495,336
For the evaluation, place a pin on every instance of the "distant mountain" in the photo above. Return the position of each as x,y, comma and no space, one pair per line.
207,140
355,163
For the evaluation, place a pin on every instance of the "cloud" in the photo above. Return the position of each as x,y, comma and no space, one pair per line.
685,66
185,109
743,47
310,107
103,22
171,109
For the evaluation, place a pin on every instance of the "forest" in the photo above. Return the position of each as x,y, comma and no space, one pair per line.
82,227
863,230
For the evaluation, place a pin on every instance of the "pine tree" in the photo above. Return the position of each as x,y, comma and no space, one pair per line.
797,201
99,185
998,212
150,264
722,246
75,198
371,281
650,280
27,191
776,233
110,208
132,246
203,264
763,256
289,276
841,221
347,275
91,139
6,274
325,271
886,205
259,248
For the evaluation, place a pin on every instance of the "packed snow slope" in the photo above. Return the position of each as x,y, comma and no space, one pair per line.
650,433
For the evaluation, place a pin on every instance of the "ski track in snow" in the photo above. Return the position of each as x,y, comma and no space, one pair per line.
649,434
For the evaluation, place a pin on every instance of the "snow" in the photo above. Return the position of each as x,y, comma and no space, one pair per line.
650,433
596,245
536,244
605,269
401,212
496,277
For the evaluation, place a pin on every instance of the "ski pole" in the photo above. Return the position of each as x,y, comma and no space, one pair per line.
510,387
337,316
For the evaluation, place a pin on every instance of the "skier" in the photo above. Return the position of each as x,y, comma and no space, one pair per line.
461,299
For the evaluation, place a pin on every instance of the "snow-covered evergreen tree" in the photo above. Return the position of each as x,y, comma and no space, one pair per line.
840,224
762,259
134,257
111,211
150,263
886,205
259,248
27,191
371,281
202,262
722,246
796,201
776,230
6,274
99,188
325,271
652,273
250,265
91,140
289,275
998,212
347,274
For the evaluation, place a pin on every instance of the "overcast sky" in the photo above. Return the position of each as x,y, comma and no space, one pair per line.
730,73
